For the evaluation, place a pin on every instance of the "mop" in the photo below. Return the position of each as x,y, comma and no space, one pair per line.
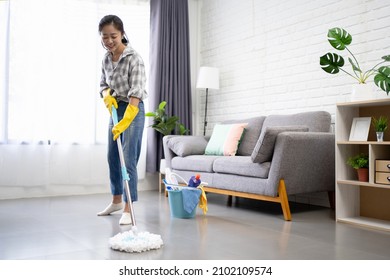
131,241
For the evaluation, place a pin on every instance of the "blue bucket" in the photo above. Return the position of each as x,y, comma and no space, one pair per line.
175,198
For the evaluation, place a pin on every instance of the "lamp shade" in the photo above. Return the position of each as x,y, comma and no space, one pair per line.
208,77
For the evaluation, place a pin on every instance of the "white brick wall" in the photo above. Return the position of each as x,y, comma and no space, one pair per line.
268,53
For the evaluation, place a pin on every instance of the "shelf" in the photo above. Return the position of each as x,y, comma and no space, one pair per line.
365,184
361,203
367,222
362,143
366,103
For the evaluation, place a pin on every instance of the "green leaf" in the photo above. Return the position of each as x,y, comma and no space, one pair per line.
382,79
166,125
161,106
150,114
386,57
358,161
331,63
339,38
182,129
380,124
172,120
354,67
160,113
163,130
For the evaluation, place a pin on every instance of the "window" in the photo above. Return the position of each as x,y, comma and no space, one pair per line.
54,65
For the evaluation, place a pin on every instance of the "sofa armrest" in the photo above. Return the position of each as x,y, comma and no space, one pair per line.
168,153
183,145
305,160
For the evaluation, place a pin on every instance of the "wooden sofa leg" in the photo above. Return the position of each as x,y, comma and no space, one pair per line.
284,200
332,199
230,200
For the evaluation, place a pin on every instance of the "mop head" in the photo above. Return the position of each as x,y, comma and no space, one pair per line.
133,241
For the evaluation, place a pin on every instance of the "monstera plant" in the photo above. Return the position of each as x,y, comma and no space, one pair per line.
332,63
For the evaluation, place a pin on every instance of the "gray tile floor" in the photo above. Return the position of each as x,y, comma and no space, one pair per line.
67,228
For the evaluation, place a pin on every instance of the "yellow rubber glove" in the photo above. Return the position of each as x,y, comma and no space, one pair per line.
203,201
110,101
130,113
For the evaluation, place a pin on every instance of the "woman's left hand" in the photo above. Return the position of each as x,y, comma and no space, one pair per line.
130,113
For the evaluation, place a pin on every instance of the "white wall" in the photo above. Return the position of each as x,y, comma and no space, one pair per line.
268,53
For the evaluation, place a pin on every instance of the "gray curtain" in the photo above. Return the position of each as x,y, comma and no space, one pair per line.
170,76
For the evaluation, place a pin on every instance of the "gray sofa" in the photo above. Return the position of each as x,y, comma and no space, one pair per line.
296,155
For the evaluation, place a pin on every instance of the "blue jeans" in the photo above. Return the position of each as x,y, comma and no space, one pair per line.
131,142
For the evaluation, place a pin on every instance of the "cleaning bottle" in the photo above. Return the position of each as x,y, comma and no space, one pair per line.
194,181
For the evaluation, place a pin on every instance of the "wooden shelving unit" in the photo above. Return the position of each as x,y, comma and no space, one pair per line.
361,203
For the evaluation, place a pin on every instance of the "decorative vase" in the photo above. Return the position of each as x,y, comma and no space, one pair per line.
379,136
362,92
362,174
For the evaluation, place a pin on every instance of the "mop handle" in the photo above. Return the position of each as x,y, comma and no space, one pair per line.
125,175
114,115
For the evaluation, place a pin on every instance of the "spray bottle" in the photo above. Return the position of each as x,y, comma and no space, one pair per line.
194,181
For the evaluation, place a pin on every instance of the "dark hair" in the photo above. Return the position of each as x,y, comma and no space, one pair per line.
118,24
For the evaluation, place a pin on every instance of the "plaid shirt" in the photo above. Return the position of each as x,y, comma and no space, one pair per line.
127,79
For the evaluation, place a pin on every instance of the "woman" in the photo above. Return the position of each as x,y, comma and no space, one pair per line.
122,85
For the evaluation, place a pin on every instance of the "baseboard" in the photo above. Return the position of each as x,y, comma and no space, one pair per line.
150,182
15,192
317,199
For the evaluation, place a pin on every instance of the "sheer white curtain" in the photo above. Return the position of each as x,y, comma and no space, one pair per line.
54,68
4,11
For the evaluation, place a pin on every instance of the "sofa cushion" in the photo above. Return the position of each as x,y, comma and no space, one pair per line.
198,163
187,145
225,139
241,165
317,121
265,146
250,136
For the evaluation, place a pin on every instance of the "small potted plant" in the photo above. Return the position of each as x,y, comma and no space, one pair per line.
332,63
380,126
165,124
360,163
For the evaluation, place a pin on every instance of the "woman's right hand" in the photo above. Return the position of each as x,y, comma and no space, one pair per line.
109,101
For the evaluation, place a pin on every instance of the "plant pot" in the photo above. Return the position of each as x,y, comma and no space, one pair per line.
362,92
362,174
379,136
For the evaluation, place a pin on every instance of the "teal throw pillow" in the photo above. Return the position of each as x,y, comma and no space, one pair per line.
225,139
